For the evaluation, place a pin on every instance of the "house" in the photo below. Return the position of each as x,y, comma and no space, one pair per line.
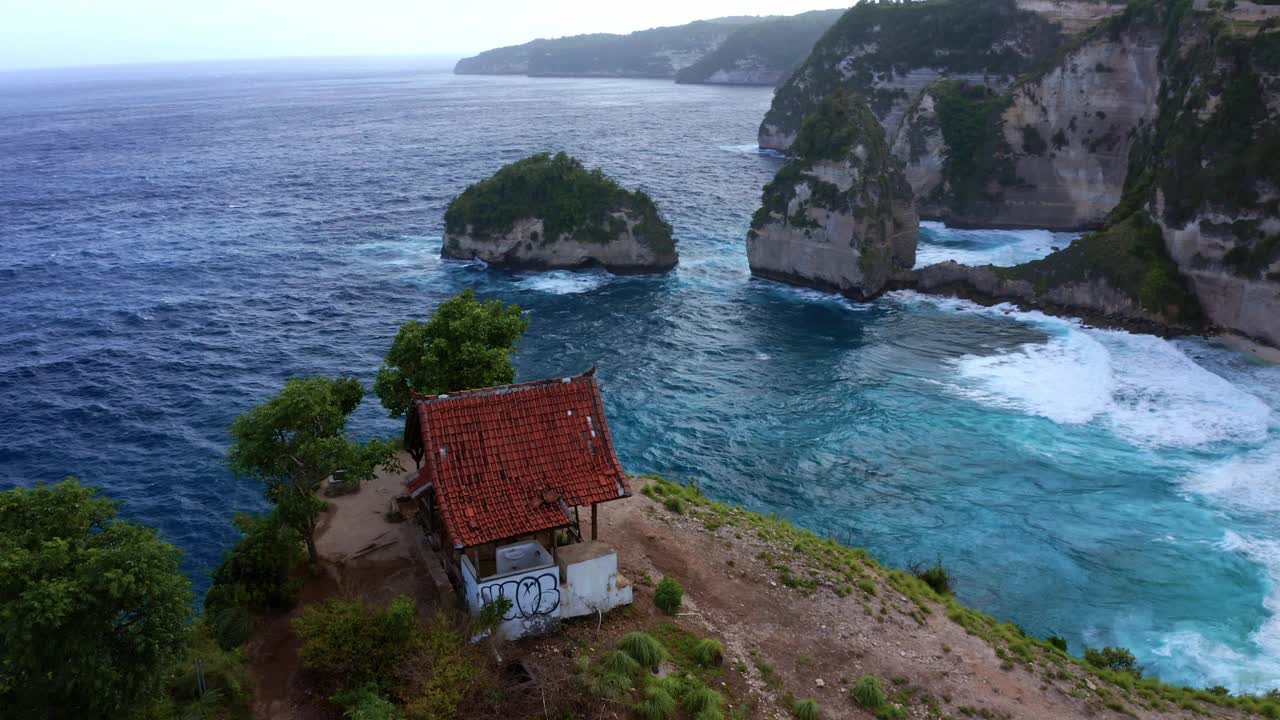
505,475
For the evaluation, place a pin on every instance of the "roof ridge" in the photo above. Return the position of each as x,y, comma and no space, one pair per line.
503,389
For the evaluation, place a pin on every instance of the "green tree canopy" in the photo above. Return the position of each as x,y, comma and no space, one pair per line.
295,440
466,344
93,610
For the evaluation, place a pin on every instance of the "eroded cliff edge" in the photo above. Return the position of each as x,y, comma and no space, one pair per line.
549,212
839,215
1156,118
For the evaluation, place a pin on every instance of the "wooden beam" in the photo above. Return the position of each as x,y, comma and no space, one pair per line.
594,520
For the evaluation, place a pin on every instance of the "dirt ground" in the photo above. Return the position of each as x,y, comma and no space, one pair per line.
780,643
362,555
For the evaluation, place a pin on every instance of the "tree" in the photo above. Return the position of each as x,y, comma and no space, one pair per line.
93,610
466,344
295,440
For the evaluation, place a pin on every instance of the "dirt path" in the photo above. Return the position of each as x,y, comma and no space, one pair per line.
362,555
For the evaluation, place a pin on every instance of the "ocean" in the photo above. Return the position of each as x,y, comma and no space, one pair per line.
176,242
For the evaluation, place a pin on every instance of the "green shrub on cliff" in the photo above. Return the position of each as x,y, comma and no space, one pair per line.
467,344
255,574
93,609
976,159
350,643
565,195
1130,256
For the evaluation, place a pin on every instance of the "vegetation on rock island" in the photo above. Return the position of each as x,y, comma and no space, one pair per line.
570,200
467,344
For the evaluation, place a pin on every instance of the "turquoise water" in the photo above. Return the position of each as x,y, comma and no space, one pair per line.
176,242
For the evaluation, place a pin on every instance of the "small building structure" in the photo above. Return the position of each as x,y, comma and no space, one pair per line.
504,475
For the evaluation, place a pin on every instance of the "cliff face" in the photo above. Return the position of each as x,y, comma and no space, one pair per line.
1208,170
631,249
1055,149
890,52
1164,110
838,216
549,212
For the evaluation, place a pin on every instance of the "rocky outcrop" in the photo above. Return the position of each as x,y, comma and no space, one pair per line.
549,212
1208,170
1163,109
1118,277
889,52
838,216
629,251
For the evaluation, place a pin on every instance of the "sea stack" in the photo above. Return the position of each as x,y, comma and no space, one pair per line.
549,212
839,215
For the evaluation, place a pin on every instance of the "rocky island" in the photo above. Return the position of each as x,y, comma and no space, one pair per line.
839,215
549,212
1153,123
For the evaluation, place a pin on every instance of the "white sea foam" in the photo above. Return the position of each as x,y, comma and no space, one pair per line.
563,282
1003,248
1141,387
1249,482
751,149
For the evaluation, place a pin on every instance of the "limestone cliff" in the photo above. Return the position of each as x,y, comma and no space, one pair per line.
1163,114
1208,170
1051,153
549,212
838,216
889,52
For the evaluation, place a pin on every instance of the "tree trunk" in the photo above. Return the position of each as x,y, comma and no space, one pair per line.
312,553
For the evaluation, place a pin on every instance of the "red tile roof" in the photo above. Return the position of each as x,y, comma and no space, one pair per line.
509,461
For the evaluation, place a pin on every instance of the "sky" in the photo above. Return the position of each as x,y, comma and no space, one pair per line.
60,33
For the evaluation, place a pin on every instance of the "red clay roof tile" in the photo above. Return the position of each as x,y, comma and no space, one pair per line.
505,457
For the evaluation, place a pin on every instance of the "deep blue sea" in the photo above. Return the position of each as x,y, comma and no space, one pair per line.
175,242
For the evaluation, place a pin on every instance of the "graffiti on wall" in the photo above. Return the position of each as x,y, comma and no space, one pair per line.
530,596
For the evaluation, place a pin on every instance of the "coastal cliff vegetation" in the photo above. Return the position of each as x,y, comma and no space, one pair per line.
569,199
874,42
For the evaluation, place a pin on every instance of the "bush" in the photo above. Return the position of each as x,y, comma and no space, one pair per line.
255,573
351,643
644,649
703,698
708,652
657,704
366,703
674,504
806,709
93,610
935,577
891,712
1058,642
1114,659
669,595
446,671
231,627
868,692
